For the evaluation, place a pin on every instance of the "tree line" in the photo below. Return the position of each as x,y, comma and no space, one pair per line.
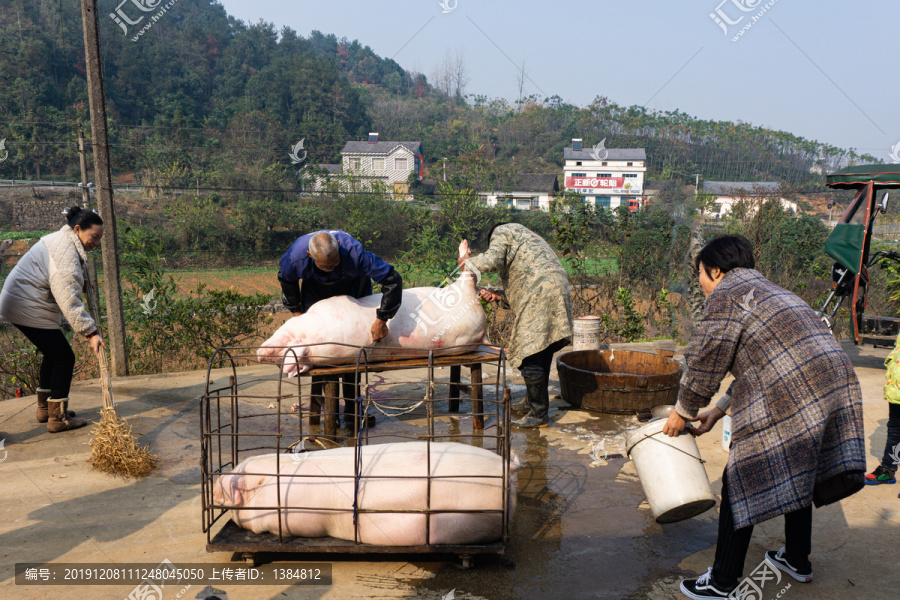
208,99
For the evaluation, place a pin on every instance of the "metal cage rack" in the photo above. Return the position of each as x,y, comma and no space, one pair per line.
251,408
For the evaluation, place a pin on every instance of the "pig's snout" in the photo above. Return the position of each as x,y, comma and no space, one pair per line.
267,351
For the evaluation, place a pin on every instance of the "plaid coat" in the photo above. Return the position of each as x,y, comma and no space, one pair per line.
796,403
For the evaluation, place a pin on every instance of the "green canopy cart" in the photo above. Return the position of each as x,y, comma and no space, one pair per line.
849,245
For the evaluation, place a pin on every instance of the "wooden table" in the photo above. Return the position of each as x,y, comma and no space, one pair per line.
473,360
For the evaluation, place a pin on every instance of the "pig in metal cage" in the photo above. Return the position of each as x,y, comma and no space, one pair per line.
252,409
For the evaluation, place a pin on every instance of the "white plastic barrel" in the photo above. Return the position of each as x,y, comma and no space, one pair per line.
671,473
586,333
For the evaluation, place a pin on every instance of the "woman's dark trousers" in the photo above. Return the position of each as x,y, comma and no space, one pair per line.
58,362
732,545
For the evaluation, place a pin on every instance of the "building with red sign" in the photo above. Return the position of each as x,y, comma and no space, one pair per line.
605,177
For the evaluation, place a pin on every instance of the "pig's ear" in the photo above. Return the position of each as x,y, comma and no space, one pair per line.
302,352
237,496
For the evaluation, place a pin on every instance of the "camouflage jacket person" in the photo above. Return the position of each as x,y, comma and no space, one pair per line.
696,294
536,289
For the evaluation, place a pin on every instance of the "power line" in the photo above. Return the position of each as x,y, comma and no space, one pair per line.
68,122
387,194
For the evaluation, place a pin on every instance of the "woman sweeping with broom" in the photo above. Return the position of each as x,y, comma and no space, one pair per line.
44,286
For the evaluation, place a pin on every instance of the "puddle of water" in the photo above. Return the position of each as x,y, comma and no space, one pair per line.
578,531
600,436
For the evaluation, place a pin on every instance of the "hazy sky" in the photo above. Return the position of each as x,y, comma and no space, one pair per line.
825,70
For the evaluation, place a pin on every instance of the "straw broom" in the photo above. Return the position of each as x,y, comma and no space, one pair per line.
113,449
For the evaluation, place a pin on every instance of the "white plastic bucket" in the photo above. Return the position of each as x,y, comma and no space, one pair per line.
586,333
671,472
726,433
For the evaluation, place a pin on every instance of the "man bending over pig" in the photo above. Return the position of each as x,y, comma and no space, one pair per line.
538,292
333,263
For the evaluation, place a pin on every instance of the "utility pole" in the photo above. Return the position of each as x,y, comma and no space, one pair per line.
86,201
103,177
696,183
445,169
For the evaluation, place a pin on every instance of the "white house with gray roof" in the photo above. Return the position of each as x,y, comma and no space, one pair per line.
729,193
525,191
369,164
605,177
388,162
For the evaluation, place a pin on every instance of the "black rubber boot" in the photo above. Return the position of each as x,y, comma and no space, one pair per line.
348,420
538,397
520,405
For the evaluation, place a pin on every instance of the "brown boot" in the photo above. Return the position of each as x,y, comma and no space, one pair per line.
58,419
70,414
42,415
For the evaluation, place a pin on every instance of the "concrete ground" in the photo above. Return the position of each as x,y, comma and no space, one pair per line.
582,528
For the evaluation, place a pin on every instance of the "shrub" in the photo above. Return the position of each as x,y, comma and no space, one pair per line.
171,332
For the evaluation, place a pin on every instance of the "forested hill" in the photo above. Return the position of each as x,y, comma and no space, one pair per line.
202,96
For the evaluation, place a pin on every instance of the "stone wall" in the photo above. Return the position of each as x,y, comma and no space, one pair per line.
40,210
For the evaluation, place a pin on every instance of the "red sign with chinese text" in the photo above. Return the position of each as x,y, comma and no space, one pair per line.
597,183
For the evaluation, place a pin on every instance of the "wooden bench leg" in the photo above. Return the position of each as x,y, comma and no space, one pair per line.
455,377
350,386
315,400
476,394
332,408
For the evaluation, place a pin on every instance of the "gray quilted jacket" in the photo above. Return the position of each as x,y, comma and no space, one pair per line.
47,284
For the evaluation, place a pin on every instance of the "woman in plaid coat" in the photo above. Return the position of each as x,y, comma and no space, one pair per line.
797,429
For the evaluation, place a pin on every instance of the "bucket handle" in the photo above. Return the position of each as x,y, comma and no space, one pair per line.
650,437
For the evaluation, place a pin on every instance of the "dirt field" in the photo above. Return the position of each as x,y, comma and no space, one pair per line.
252,280
247,280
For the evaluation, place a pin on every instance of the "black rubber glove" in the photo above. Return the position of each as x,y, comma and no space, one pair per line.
391,295
290,294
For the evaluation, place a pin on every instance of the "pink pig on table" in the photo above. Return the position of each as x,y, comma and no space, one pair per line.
448,320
